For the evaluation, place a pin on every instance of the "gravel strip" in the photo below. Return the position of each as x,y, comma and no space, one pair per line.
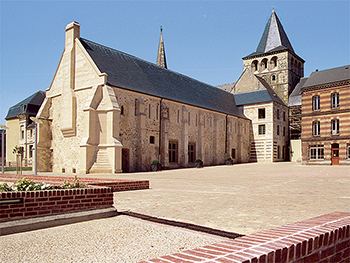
116,239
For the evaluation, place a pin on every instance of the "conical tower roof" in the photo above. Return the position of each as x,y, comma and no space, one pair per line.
274,38
161,59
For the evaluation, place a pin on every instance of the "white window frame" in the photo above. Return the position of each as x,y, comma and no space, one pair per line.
335,127
316,128
316,152
335,100
316,103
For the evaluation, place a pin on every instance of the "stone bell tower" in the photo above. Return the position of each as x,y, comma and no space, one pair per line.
275,60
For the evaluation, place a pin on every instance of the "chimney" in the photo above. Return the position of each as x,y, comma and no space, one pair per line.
72,32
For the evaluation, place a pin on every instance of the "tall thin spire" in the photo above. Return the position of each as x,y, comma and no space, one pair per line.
161,59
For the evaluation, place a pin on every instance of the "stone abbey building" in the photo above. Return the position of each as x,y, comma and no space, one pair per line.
107,111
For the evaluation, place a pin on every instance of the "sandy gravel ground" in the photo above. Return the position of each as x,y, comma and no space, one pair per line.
116,239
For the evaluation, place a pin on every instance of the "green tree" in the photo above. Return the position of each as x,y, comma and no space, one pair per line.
18,151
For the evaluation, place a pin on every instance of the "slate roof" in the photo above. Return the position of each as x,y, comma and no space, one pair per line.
295,96
257,96
273,39
226,87
328,76
132,73
28,106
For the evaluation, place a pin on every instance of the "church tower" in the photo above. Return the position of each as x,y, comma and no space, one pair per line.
161,59
275,60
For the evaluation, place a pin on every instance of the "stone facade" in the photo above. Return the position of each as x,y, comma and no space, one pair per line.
269,132
89,126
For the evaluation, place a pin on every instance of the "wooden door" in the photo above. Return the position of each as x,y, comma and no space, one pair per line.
335,154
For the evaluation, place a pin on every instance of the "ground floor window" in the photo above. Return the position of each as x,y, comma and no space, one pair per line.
278,152
316,152
348,151
173,152
191,152
30,151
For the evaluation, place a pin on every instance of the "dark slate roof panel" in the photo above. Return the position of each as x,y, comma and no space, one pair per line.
257,96
131,73
328,76
29,105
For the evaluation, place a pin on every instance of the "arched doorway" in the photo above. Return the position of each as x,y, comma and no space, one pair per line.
335,153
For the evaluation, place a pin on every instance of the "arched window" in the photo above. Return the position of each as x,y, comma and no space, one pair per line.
254,66
264,64
274,62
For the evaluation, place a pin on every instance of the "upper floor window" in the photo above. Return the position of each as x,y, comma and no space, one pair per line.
122,110
264,64
278,114
316,128
261,113
278,130
262,129
284,116
274,62
335,100
151,139
254,66
335,127
316,102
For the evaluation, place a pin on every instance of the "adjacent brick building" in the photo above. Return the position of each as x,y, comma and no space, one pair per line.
326,117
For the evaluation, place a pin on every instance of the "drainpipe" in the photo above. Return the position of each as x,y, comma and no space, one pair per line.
160,128
226,134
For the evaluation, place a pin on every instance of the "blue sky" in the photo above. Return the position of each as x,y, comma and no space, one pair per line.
205,40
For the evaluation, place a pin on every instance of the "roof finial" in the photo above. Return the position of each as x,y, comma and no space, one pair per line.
161,59
161,29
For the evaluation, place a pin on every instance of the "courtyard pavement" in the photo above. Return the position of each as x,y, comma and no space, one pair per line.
243,199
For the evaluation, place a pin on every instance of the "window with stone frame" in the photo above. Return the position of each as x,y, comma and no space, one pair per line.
151,139
335,100
335,127
261,114
348,151
233,153
262,129
254,66
316,128
316,103
191,152
278,114
316,152
278,130
173,151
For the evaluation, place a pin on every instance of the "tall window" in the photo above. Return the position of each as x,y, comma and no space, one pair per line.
316,102
278,114
316,128
189,118
261,113
348,151
30,151
264,64
157,112
278,130
173,152
316,152
284,116
262,129
284,131
149,110
278,152
191,152
335,100
254,66
335,127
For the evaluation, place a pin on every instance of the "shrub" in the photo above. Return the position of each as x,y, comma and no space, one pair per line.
30,185
155,162
228,158
198,160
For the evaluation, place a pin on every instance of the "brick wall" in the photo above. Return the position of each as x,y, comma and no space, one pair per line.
16,205
322,239
116,185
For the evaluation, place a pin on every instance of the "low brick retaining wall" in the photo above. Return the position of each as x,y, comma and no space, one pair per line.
321,239
115,184
21,204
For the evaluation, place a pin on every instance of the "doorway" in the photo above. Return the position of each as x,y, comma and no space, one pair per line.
335,154
125,160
